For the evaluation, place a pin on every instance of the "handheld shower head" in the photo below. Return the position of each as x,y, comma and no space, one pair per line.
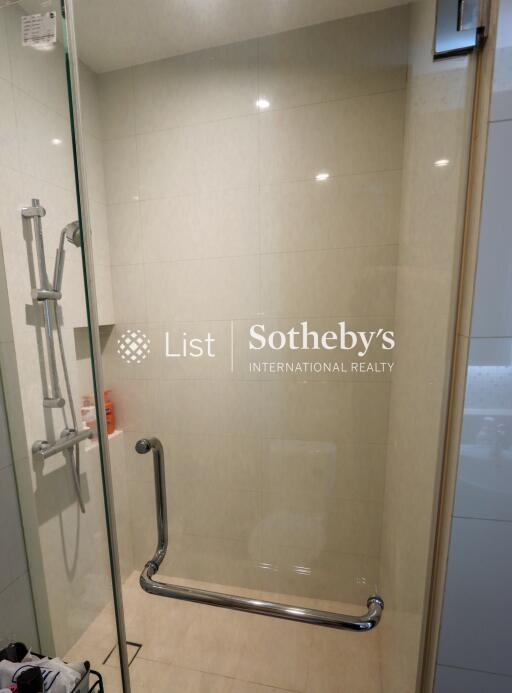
73,233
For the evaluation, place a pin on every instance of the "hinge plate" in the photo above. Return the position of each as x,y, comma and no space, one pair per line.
461,26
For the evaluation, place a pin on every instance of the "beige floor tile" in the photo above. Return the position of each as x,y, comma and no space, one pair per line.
188,635
111,679
156,676
275,653
96,642
213,640
159,625
191,648
245,687
343,662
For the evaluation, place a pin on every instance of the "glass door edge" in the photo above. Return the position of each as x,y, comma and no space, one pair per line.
93,328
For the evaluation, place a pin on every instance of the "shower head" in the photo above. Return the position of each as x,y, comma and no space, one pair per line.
73,233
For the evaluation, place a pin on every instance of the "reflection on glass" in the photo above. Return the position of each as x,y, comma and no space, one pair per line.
485,465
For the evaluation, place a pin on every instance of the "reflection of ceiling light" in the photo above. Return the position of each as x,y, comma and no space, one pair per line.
268,566
262,104
302,570
441,162
322,176
295,611
56,141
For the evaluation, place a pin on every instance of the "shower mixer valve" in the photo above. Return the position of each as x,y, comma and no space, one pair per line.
43,449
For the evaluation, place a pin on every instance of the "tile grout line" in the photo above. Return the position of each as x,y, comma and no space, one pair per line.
252,114
10,584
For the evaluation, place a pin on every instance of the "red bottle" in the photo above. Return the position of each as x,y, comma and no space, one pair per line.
109,411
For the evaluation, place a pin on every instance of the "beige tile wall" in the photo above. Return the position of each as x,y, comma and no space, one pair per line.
214,216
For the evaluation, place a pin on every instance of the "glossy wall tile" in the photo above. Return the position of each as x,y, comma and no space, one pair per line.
501,102
479,571
484,481
453,680
492,315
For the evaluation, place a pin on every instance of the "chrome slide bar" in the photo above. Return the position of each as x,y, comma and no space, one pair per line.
49,295
35,213
366,622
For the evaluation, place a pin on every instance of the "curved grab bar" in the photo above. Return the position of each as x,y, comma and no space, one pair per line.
366,622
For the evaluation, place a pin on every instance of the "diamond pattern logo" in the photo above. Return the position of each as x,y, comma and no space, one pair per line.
133,346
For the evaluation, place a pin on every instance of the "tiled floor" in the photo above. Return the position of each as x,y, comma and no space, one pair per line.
191,648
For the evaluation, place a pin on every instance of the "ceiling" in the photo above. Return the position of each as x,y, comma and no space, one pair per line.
113,34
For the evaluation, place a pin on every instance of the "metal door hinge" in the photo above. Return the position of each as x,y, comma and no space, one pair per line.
461,26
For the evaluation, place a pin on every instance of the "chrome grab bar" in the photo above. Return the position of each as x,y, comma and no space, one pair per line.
366,622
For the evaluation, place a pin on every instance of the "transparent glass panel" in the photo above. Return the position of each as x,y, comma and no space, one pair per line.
277,194
61,578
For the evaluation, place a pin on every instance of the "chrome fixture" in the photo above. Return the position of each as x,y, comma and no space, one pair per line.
48,294
461,27
72,233
366,622
43,449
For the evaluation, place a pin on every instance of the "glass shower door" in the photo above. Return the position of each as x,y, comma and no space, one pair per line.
45,361
284,190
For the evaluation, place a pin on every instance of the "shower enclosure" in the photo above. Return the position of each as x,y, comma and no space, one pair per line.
271,201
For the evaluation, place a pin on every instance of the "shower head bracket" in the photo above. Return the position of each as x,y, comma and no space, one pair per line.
46,295
34,211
